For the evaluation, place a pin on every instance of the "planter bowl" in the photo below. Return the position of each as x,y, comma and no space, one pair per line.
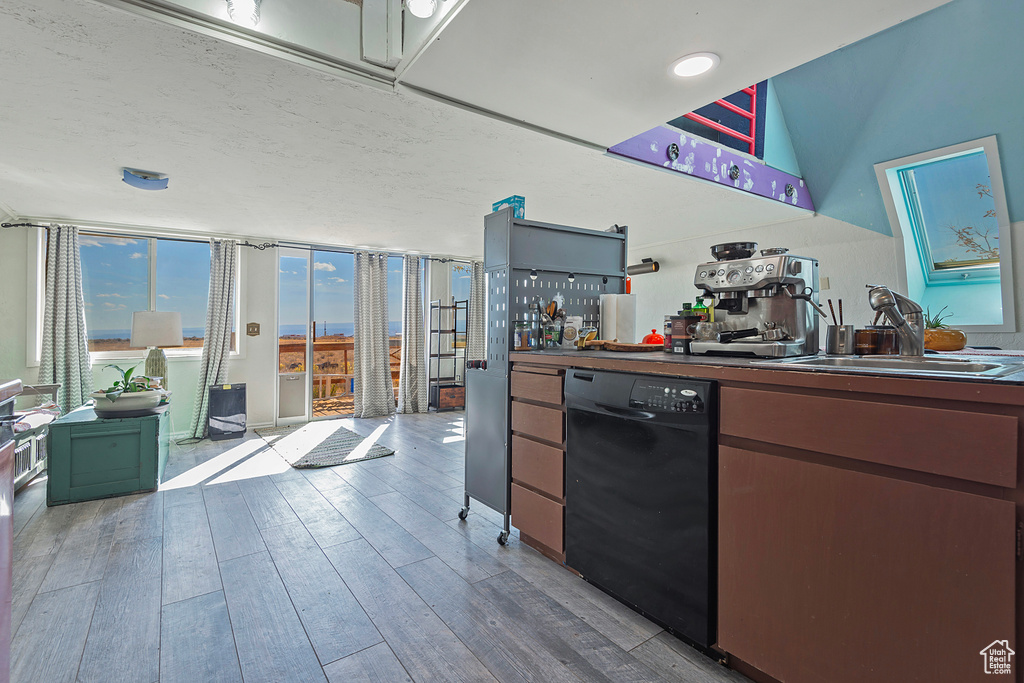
944,340
133,403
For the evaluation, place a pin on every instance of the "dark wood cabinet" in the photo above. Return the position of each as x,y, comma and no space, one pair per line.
538,458
868,526
827,574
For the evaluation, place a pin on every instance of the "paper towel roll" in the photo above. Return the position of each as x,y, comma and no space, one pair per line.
618,317
607,320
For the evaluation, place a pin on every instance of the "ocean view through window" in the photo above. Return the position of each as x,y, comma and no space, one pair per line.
122,274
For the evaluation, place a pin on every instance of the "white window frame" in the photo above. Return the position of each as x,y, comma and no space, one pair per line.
37,292
887,174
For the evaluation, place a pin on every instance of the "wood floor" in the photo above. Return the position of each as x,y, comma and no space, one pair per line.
243,569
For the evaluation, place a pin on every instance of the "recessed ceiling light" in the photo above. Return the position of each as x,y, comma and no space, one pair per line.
696,64
244,12
421,8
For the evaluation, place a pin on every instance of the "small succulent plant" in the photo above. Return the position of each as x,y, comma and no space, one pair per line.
936,322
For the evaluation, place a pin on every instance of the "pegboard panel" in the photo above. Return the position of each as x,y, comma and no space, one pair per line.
497,317
581,296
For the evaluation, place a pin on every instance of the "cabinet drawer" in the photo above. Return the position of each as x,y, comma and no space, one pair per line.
535,387
539,466
540,518
972,446
543,423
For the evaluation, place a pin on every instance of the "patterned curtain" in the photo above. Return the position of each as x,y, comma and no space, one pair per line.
374,394
213,369
412,376
65,355
476,325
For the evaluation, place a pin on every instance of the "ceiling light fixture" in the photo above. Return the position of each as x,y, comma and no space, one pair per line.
694,65
424,9
144,180
244,12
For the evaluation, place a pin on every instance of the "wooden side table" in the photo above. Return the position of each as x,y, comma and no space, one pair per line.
93,457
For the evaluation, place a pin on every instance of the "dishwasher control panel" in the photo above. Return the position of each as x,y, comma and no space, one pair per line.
667,396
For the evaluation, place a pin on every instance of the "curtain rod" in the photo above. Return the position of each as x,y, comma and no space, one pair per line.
352,250
166,234
21,225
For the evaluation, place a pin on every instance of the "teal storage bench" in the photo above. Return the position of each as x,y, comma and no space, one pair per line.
92,457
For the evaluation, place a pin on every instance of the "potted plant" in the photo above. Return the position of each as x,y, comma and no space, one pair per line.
128,395
938,336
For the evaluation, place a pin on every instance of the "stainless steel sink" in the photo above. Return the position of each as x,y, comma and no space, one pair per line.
991,366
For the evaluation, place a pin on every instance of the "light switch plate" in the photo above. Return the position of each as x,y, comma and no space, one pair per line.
824,283
252,329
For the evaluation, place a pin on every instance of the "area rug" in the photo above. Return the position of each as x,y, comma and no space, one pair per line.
321,444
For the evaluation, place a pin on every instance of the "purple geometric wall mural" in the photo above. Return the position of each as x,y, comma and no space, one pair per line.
684,153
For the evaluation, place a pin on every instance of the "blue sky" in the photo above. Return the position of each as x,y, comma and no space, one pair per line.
115,280
949,196
332,289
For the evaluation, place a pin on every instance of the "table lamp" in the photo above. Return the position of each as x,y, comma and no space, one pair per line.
154,329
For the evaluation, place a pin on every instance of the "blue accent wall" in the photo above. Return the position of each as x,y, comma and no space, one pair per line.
945,77
778,148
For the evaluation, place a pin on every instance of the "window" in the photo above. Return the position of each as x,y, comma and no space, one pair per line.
462,276
953,217
947,209
122,274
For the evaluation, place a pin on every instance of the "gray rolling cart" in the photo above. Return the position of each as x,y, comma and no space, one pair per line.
525,260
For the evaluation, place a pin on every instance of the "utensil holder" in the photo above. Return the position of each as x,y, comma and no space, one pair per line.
840,340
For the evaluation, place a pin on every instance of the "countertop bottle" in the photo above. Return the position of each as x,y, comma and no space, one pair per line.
700,310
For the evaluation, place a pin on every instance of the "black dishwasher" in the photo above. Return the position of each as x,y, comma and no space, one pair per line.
641,494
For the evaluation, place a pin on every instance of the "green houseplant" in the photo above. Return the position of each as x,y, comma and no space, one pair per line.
938,336
129,394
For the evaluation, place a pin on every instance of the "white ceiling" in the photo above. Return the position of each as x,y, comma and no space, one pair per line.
261,147
599,71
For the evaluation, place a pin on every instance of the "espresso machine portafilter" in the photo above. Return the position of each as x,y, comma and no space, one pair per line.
765,304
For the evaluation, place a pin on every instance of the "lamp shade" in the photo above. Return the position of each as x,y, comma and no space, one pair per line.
156,328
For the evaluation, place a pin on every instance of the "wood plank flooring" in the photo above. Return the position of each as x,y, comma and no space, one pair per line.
243,569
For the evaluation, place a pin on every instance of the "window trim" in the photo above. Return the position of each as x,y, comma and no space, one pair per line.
37,293
887,175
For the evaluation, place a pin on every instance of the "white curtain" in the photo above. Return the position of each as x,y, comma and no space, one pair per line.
412,376
476,324
213,369
65,354
374,394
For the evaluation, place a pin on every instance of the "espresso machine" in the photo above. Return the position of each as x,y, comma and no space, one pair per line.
765,305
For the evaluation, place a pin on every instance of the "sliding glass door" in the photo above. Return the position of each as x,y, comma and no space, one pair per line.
316,360
333,368
293,380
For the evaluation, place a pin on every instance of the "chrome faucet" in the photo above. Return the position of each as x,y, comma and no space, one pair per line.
905,315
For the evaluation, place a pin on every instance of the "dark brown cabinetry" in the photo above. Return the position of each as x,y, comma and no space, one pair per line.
827,574
868,526
538,457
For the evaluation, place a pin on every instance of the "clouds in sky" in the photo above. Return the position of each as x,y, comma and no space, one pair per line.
337,280
323,265
88,241
163,296
113,295
111,306
137,254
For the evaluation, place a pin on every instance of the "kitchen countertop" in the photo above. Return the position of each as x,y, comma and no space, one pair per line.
676,360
